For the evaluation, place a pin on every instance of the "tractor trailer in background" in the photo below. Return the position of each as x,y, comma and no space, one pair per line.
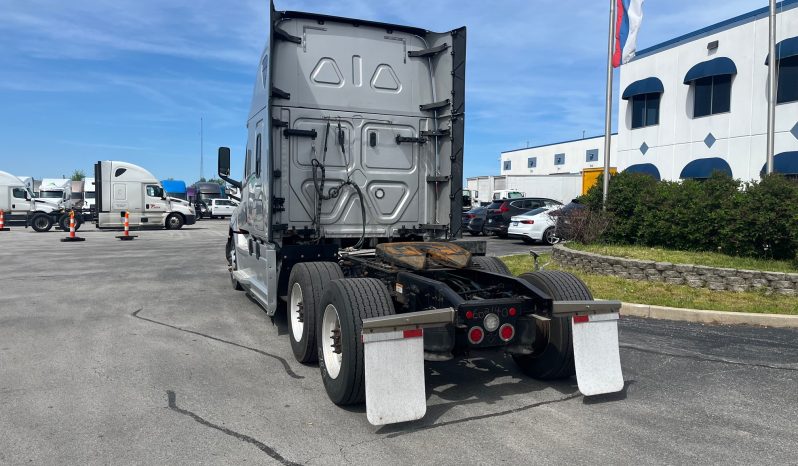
350,219
57,191
203,193
123,187
22,208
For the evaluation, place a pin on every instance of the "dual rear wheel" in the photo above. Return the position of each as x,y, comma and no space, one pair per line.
326,313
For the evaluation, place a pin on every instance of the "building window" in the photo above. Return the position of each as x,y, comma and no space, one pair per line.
531,162
788,80
645,110
559,159
712,95
591,155
508,164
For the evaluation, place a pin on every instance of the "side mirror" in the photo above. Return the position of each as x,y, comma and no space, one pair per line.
224,167
224,162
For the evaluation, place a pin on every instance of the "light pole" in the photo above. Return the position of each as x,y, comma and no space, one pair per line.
772,64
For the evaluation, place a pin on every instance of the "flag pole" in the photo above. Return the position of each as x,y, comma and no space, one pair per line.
772,64
608,106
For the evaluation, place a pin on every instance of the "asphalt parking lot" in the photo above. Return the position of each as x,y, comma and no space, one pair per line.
141,352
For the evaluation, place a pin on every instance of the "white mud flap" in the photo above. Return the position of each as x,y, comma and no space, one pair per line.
596,354
394,364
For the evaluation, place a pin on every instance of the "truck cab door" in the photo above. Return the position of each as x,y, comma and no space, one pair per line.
155,208
18,201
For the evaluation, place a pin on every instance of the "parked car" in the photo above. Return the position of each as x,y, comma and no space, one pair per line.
535,225
474,220
500,212
222,207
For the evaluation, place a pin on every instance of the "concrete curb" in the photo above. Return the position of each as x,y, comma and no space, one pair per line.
709,317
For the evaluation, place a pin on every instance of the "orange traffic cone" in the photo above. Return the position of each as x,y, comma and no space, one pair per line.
3,221
126,236
72,236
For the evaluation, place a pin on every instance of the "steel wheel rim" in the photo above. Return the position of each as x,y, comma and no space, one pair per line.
173,221
329,324
296,313
41,222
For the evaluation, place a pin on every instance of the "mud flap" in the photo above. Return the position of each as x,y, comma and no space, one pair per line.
596,353
394,365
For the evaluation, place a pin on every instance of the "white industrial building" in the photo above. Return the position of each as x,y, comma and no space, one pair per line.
698,103
687,107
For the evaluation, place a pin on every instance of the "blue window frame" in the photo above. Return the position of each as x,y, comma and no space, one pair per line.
508,164
591,155
531,162
559,159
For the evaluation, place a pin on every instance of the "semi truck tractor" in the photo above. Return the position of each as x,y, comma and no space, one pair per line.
350,221
123,187
22,208
89,194
57,191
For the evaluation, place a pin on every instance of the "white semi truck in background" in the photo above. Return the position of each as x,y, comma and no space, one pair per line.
350,220
124,187
58,191
22,208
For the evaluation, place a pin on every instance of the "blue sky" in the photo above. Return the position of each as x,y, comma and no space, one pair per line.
86,80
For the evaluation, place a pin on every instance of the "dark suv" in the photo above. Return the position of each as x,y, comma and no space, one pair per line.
500,212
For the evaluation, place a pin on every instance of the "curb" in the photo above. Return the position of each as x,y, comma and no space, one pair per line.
709,317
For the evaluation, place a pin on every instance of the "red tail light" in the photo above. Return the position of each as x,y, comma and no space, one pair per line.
506,332
475,335
505,207
470,215
527,222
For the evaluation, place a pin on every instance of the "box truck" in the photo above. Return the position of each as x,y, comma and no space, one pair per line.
350,220
124,187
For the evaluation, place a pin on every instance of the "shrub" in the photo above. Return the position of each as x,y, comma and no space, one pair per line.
717,214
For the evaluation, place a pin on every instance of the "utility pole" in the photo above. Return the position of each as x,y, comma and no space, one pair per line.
772,64
201,151
608,107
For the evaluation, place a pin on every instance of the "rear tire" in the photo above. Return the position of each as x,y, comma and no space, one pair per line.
345,304
489,264
549,237
305,289
554,350
174,222
63,222
41,223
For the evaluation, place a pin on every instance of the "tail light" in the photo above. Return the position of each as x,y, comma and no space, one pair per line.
506,332
528,222
470,215
476,335
505,207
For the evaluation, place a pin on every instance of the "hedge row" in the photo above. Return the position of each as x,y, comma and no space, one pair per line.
718,214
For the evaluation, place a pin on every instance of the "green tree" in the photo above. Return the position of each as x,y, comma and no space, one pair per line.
78,175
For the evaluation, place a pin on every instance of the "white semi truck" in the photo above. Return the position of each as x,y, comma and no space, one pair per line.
89,194
350,220
123,187
22,208
57,191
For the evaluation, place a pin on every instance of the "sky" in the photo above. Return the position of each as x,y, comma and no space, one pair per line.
89,80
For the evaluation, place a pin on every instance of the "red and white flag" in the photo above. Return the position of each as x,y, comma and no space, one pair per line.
629,15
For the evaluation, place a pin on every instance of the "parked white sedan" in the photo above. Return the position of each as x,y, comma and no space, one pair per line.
222,207
535,225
